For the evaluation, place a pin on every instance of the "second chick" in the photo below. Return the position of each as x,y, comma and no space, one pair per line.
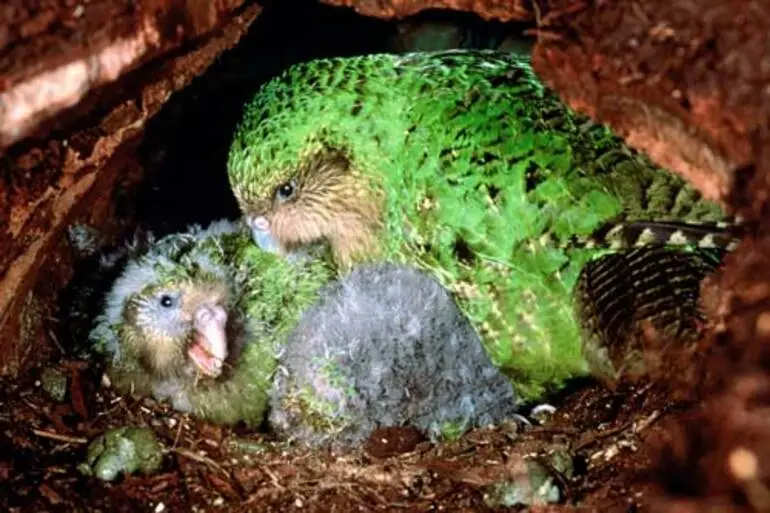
385,346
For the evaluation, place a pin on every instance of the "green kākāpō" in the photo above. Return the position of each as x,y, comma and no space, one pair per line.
197,320
464,164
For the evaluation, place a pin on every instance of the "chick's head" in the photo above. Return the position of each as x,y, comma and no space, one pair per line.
180,327
175,312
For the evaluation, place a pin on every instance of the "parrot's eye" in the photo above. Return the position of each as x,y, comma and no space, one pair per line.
286,191
167,301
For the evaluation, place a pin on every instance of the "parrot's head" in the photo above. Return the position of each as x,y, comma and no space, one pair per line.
174,313
321,199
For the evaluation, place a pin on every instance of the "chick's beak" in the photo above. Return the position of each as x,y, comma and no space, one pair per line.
209,349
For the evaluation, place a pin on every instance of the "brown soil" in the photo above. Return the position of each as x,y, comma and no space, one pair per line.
41,443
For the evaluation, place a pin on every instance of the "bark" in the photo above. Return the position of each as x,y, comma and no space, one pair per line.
53,54
504,10
684,80
48,66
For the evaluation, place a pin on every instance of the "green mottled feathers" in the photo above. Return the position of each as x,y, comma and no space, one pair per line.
483,176
264,298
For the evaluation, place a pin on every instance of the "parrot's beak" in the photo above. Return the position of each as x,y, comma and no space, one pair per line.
263,237
209,349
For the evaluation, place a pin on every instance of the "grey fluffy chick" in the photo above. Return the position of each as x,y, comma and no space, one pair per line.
385,346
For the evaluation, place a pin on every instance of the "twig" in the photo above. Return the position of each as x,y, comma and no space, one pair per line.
273,479
61,438
178,434
377,474
349,489
200,459
538,14
647,422
277,484
564,483
55,340
551,430
595,437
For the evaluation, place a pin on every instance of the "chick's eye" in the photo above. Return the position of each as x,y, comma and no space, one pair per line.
286,191
167,301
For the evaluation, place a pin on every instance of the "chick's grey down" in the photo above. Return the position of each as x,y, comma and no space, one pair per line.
384,346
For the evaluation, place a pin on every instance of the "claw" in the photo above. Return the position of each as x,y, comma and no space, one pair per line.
539,414
521,419
542,412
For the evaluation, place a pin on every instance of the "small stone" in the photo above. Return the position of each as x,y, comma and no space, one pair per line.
84,239
536,486
763,324
54,383
123,450
743,464
510,427
160,507
537,490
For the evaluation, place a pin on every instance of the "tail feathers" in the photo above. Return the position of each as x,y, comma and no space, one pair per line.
638,234
617,293
619,290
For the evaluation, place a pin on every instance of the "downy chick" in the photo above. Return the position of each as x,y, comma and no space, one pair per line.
385,346
196,321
